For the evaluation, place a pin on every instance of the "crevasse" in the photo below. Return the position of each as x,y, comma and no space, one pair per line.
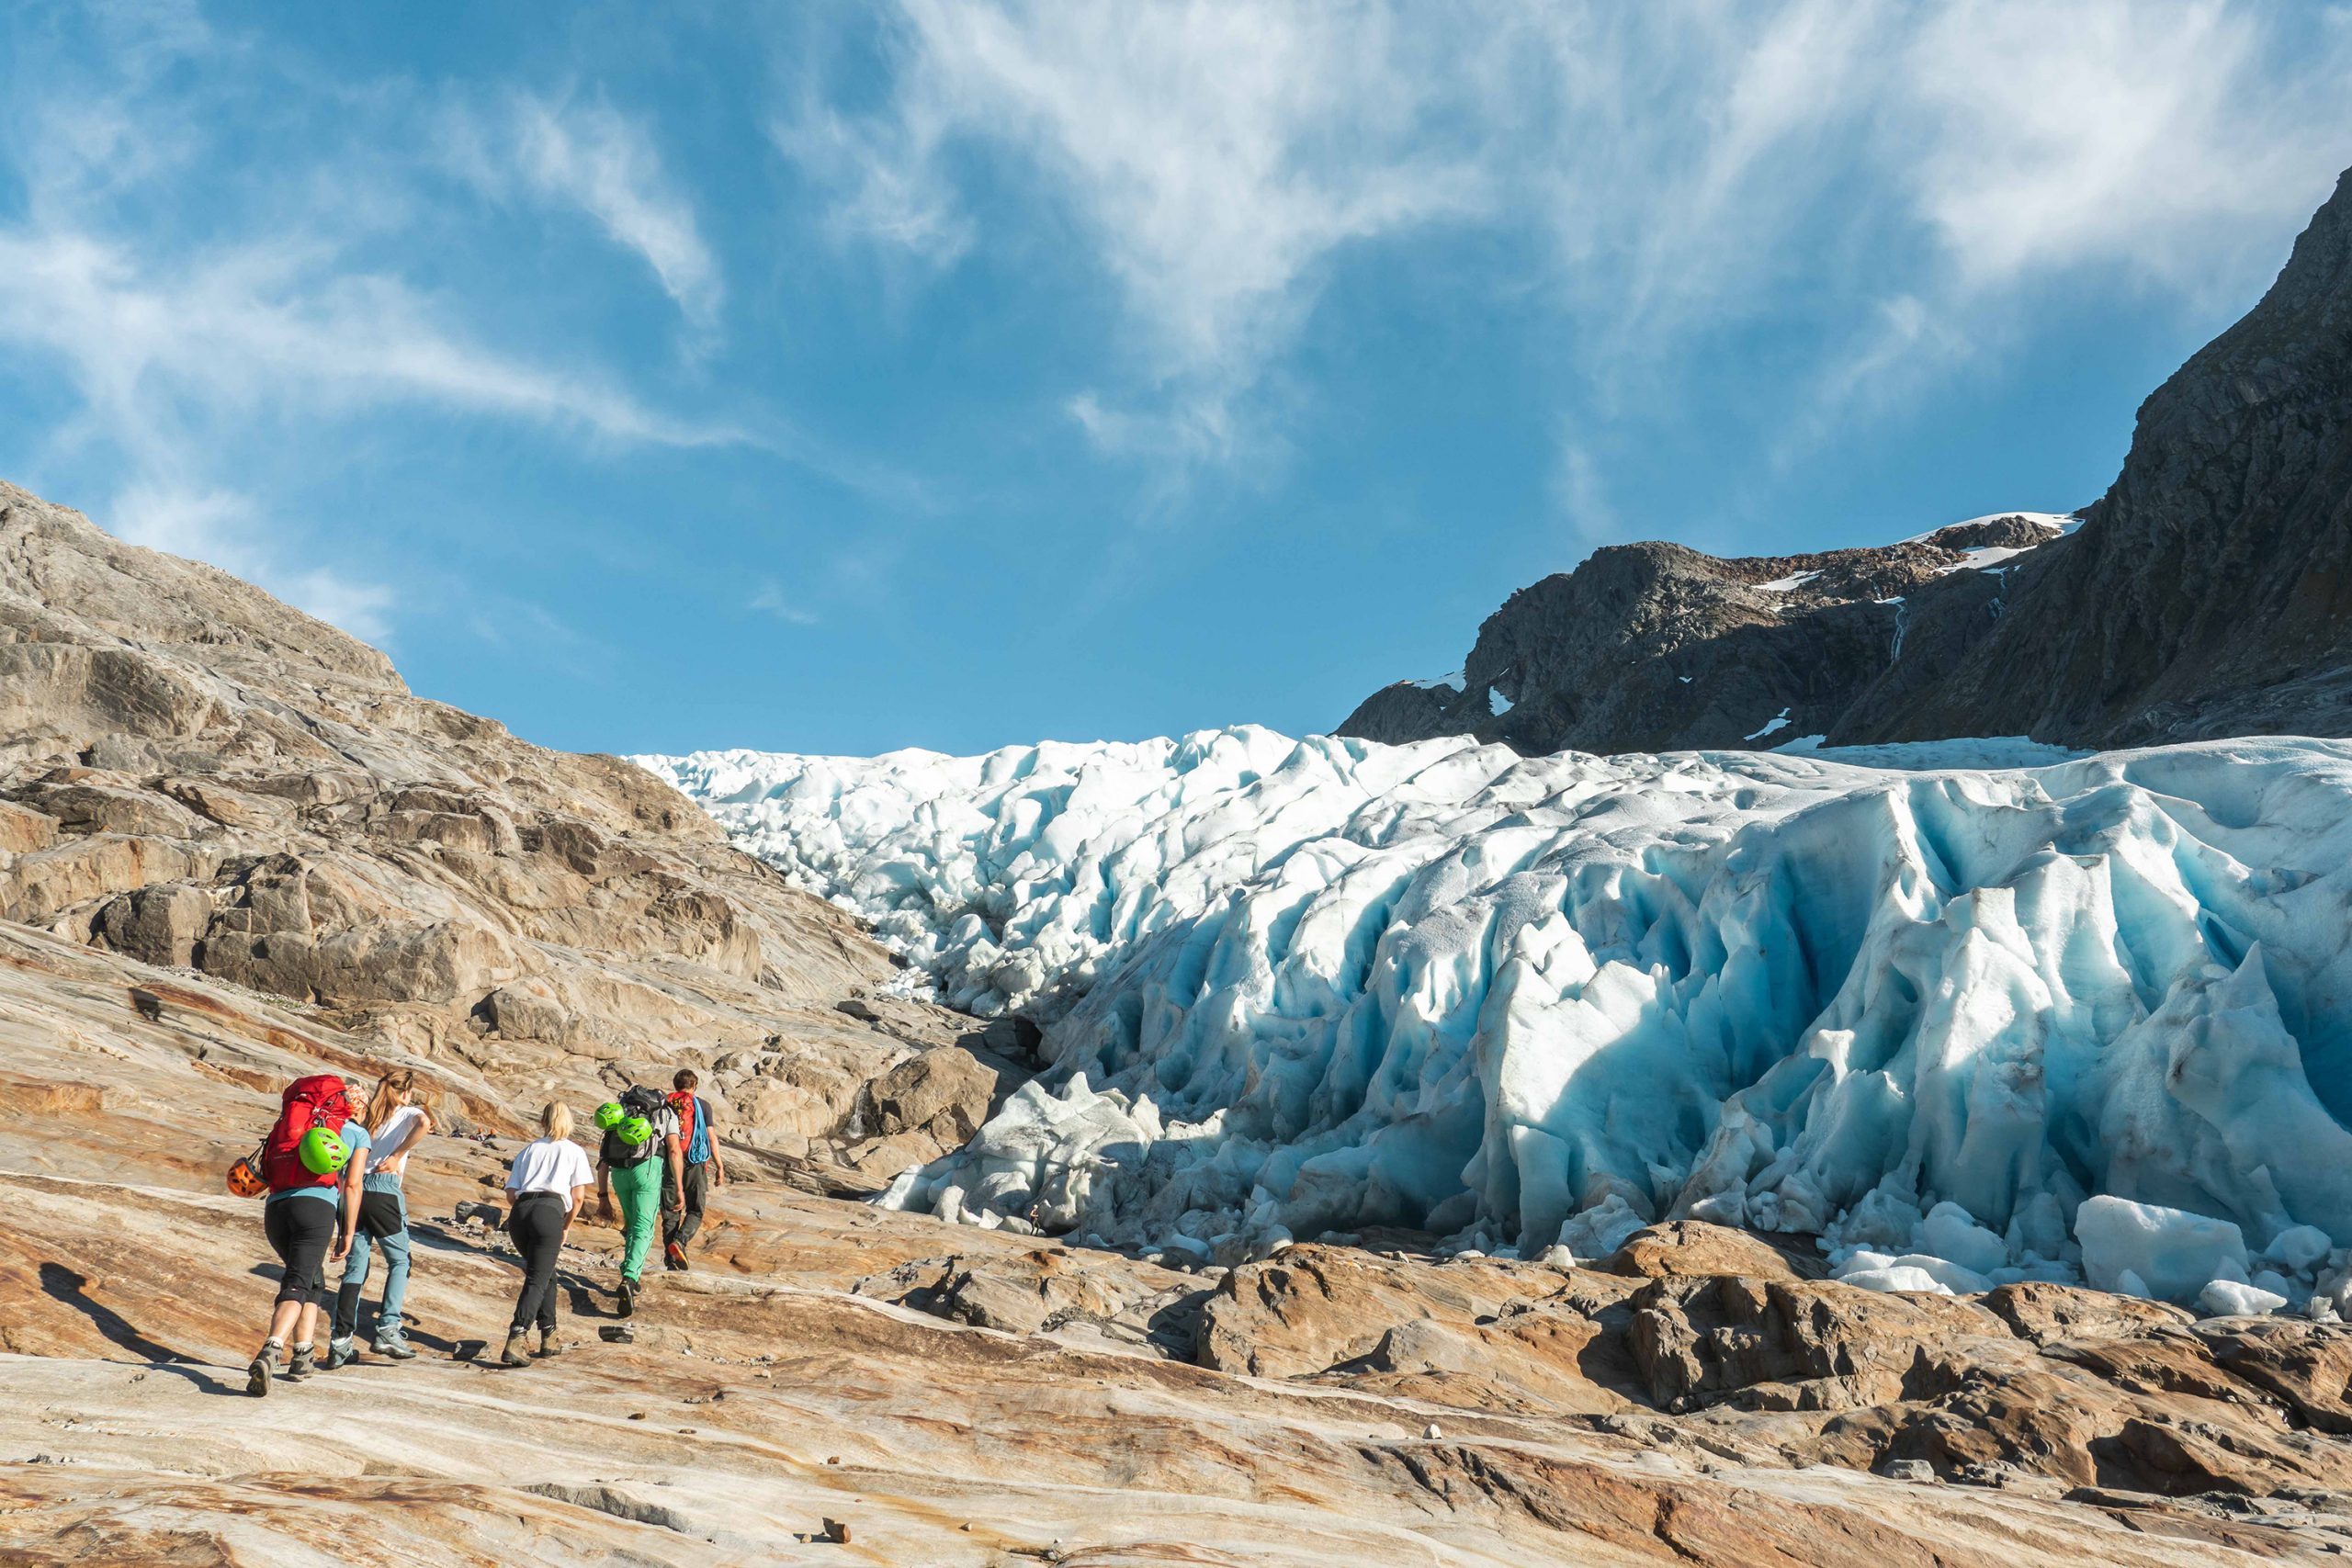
1926,1013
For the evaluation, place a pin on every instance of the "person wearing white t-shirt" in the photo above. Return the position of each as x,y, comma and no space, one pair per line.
401,1124
549,1178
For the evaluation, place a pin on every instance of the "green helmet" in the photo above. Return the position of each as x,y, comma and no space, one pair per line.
636,1129
608,1115
320,1152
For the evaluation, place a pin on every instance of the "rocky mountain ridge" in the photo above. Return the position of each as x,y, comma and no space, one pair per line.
2204,595
197,777
1658,647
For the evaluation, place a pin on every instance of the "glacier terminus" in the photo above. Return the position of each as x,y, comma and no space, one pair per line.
1966,1022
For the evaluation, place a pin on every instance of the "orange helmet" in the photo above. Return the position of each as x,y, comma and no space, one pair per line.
244,1180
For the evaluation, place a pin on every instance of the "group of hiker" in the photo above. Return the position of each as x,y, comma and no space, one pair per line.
331,1167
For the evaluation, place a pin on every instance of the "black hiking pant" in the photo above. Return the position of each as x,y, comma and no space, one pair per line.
537,1224
682,1212
301,1231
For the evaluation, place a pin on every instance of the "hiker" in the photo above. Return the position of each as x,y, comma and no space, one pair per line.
549,1178
314,1161
697,1170
640,1143
401,1124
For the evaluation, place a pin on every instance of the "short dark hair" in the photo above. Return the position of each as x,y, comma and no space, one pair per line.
685,1078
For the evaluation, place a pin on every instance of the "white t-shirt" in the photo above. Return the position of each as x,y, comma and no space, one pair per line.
551,1164
395,1128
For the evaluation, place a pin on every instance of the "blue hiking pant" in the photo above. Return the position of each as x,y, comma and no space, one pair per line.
393,1239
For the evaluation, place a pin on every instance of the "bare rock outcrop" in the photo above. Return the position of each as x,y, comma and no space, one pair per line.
923,1108
1695,1249
1708,1341
1658,647
195,776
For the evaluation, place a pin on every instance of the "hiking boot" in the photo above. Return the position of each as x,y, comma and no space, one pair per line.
304,1361
675,1256
341,1353
513,1355
257,1376
549,1343
627,1302
393,1350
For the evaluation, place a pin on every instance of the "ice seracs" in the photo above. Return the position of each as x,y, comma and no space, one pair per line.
1965,1025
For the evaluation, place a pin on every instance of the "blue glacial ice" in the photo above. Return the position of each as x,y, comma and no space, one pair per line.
1963,1024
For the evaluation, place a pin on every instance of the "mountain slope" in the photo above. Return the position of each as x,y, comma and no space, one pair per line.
195,775
1656,648
2208,594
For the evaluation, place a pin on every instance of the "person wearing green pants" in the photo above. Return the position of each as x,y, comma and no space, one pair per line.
635,1152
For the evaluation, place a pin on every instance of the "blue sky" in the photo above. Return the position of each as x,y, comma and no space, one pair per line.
841,377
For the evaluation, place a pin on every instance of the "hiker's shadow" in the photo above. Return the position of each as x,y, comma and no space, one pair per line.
201,1379
72,1289
439,1239
580,1295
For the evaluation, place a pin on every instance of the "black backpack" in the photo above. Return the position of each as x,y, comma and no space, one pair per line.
635,1101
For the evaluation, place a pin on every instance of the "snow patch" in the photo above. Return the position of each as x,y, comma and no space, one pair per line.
1983,558
1497,703
1452,680
1784,584
2064,522
1772,726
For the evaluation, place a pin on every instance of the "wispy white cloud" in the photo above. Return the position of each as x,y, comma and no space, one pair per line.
1581,494
165,362
770,600
1191,425
1901,183
276,321
1217,155
1894,355
363,609
880,176
1694,167
590,156
2165,140
175,342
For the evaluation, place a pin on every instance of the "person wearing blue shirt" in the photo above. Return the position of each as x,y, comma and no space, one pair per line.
301,1224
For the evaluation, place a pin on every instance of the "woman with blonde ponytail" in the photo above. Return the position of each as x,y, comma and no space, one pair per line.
545,1186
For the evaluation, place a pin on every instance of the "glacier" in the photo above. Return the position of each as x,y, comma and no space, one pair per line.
1960,1022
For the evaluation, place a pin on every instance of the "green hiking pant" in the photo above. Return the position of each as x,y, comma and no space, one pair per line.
637,1189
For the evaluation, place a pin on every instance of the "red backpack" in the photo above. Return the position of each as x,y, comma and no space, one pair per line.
312,1101
690,1130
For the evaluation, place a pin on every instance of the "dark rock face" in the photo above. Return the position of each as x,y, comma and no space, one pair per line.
2208,594
1656,648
